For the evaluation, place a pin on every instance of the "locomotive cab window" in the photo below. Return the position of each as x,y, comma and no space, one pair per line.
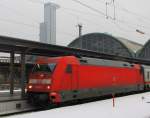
44,67
69,68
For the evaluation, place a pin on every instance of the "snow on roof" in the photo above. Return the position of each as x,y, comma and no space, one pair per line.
134,46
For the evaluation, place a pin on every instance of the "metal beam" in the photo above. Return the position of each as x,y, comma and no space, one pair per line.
23,75
11,75
41,49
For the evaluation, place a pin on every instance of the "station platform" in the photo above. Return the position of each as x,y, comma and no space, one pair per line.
11,104
6,96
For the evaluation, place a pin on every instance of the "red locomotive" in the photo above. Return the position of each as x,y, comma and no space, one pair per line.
61,79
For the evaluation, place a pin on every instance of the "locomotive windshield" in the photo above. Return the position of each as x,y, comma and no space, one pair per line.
44,67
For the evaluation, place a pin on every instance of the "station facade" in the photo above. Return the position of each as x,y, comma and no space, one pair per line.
144,52
104,43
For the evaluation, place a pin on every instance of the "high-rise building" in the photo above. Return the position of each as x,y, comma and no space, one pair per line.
48,27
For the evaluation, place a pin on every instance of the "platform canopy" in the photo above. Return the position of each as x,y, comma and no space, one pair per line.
19,46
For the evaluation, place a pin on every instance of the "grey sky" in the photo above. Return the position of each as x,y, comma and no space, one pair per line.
21,18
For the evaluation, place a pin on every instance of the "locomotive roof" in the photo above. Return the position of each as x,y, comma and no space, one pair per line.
104,62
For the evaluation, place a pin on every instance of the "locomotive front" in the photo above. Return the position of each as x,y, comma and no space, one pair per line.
40,80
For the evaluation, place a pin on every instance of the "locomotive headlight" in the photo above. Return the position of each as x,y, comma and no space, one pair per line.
48,87
30,87
46,81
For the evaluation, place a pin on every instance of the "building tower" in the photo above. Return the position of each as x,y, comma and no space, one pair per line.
48,27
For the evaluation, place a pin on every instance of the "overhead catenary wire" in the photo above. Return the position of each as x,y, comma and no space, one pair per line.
85,19
127,11
114,9
122,23
110,3
98,11
131,25
103,14
126,23
99,25
118,20
91,8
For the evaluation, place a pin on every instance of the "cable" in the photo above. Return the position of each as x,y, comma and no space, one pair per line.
119,27
93,9
87,20
114,9
81,12
83,4
123,22
89,7
112,1
127,11
133,13
94,23
109,16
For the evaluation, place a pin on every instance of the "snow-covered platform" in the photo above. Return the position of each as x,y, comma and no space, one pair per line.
5,95
133,106
10,104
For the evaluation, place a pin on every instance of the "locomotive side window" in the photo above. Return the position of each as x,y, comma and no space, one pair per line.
69,69
44,67
52,66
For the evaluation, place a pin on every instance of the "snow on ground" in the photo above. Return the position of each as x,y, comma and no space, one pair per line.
7,91
133,106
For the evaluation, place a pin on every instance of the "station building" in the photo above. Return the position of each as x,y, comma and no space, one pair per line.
104,43
144,52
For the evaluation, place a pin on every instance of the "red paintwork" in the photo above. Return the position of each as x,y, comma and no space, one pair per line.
147,82
84,76
102,76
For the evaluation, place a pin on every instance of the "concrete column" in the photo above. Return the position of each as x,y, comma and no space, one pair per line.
11,74
23,77
80,34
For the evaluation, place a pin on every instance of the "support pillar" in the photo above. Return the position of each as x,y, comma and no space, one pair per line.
80,34
11,74
23,75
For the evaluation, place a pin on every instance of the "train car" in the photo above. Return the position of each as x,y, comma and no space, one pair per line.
146,73
69,78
